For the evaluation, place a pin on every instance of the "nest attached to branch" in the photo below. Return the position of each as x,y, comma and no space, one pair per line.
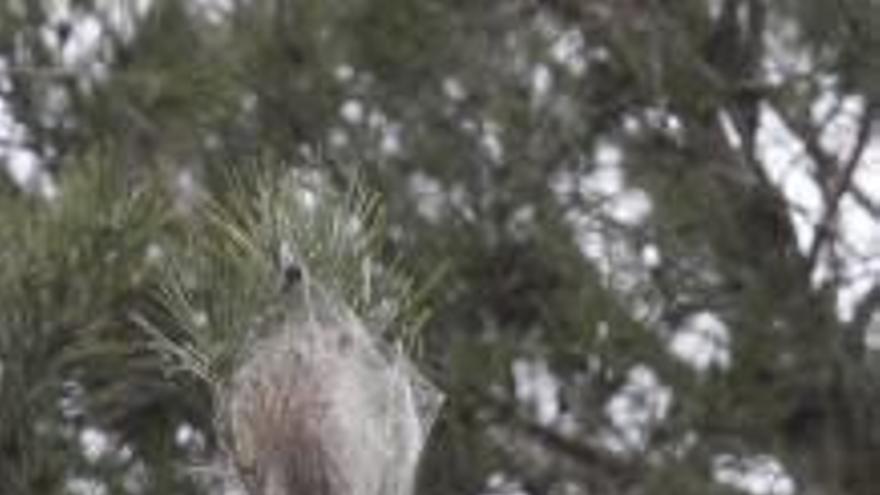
321,406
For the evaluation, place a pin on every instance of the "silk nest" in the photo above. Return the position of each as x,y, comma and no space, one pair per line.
322,405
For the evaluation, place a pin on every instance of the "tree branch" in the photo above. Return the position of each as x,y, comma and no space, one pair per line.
862,316
841,185
506,413
865,201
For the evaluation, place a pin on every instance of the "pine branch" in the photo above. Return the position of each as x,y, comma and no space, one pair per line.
842,181
287,360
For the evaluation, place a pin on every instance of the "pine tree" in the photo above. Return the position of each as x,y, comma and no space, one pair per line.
577,189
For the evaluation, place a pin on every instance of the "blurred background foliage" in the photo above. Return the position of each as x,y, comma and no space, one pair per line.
657,226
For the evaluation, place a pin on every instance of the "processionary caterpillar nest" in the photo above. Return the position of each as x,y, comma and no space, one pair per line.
320,406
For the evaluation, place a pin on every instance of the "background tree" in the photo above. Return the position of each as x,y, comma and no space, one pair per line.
657,224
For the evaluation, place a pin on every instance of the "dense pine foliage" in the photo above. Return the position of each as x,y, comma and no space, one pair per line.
635,242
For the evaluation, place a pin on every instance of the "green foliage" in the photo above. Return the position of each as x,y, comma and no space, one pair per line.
71,266
572,187
241,262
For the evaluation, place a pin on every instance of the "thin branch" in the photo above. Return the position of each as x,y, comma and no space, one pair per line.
865,201
505,412
863,314
833,184
809,137
841,185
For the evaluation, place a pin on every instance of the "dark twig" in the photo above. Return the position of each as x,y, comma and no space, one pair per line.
865,201
840,186
504,412
862,317
809,137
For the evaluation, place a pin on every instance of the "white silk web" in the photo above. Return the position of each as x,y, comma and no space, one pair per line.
323,406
